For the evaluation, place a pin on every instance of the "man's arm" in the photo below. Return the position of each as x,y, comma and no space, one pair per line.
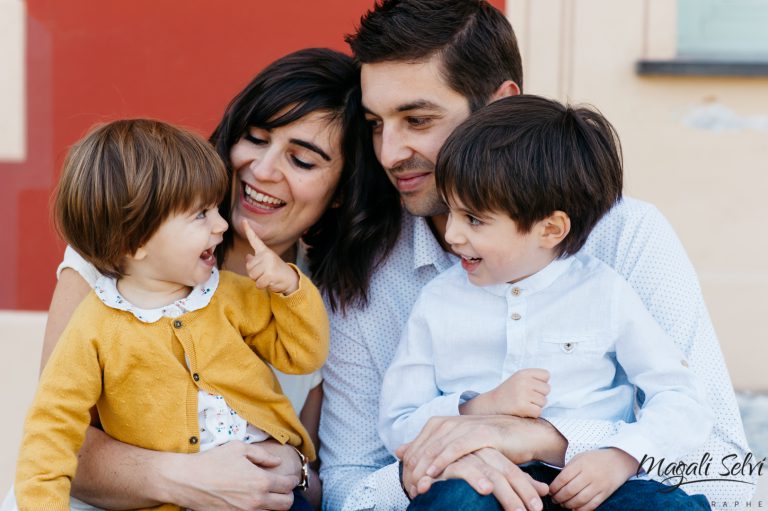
357,471
653,261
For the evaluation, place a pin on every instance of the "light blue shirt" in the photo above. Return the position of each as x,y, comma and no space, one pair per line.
578,319
634,239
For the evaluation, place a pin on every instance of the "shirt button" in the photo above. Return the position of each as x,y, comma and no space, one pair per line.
684,363
568,347
516,316
516,291
177,324
193,440
196,377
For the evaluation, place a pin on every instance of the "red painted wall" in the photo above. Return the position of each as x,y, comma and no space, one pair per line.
90,61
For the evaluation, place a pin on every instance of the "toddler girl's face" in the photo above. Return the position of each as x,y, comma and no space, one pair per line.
491,247
181,251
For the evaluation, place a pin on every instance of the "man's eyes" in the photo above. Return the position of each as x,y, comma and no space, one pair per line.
374,124
419,122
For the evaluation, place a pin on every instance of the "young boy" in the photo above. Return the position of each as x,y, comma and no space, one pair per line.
527,326
172,352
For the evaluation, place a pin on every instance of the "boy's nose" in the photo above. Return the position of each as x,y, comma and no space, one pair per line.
452,234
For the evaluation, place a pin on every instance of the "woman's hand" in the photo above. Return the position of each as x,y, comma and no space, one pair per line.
235,475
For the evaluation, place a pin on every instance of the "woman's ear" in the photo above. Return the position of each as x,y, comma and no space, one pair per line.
554,229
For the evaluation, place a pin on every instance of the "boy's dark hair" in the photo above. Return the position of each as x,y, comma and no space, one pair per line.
124,179
529,156
477,47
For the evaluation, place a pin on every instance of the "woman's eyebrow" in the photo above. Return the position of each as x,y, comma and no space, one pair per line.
311,147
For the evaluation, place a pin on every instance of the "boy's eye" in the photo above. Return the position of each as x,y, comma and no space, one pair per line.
201,215
473,221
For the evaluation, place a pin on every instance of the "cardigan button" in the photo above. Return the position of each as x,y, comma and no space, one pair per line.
193,440
177,323
196,377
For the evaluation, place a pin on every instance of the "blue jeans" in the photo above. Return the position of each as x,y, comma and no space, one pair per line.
636,495
300,503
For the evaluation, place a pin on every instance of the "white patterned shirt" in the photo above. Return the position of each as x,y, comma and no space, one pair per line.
576,318
634,239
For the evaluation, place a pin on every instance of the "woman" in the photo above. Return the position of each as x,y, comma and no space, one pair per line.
291,140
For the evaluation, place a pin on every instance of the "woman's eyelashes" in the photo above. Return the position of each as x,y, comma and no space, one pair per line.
254,139
301,163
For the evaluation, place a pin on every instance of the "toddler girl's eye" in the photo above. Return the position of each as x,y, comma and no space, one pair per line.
201,215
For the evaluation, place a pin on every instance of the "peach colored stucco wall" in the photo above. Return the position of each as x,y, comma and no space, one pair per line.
696,147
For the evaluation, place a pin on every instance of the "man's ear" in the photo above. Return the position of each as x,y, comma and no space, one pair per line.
506,89
554,229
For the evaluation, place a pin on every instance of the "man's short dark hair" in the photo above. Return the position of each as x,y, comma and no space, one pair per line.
475,42
529,156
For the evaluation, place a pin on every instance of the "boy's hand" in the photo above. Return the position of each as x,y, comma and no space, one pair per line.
523,394
266,268
591,477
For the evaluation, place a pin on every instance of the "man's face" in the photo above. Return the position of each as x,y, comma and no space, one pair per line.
412,111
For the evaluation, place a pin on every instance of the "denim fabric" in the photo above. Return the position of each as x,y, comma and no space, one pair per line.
636,495
300,503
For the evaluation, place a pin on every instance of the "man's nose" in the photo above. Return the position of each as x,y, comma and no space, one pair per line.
393,148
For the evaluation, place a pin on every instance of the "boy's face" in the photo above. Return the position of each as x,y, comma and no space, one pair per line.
180,253
491,247
412,111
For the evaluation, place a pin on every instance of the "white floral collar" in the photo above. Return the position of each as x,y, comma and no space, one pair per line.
199,297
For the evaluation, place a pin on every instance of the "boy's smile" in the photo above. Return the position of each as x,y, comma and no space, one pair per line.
491,248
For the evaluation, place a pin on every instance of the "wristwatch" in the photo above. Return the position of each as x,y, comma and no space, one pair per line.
304,483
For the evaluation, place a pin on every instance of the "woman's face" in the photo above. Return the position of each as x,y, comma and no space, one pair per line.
284,178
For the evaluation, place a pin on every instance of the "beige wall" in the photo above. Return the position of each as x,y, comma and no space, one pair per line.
695,147
21,339
12,121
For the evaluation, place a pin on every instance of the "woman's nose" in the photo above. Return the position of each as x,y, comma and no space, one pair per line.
266,168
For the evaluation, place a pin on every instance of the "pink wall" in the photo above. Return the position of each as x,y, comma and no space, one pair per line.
94,61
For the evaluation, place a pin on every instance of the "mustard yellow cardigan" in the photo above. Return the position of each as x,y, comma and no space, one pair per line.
144,378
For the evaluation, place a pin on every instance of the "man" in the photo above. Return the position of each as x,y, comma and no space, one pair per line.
426,65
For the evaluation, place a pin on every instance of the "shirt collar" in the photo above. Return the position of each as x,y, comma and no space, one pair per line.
536,282
426,249
199,297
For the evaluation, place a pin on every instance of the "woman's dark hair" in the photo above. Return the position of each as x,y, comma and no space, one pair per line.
306,81
476,44
529,156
